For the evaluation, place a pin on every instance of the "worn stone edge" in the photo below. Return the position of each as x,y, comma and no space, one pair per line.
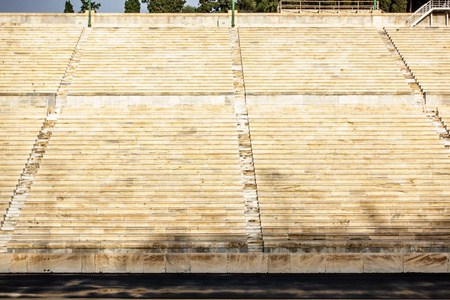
224,263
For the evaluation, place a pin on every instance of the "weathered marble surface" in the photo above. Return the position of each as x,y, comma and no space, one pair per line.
224,263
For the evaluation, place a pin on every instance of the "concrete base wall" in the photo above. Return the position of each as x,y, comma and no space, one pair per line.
375,100
224,263
208,20
77,20
436,19
322,20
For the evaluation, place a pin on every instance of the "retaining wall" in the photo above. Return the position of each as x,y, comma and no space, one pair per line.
376,19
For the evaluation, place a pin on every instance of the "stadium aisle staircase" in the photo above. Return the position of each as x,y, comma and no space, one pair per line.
336,177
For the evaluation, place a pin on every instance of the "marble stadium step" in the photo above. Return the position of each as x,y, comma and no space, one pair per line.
19,129
179,244
122,177
426,55
318,61
349,173
154,61
34,59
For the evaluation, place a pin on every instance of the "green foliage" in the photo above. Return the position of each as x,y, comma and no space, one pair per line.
398,5
189,9
132,6
385,5
205,6
164,6
68,8
246,5
393,5
214,6
266,6
85,6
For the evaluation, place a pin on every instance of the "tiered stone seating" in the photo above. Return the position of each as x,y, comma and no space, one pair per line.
161,178
425,51
19,128
155,61
318,61
333,175
34,60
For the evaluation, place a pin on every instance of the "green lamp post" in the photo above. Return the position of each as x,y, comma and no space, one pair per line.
89,22
232,13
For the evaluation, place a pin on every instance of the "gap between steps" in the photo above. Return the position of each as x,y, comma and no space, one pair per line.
250,190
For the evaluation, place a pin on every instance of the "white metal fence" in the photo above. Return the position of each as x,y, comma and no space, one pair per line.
319,5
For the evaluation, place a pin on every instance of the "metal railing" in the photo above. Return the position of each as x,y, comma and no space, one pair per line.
319,5
426,9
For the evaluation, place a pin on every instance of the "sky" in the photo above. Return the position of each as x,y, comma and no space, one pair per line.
57,6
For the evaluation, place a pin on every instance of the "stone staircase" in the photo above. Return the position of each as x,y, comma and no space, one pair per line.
29,172
20,128
252,214
34,59
407,74
319,61
155,61
349,178
157,179
425,52
182,179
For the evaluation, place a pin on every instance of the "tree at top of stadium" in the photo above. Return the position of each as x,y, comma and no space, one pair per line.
246,5
266,6
132,6
68,7
164,6
393,5
85,6
213,6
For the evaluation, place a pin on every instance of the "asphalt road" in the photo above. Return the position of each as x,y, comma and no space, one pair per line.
230,286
